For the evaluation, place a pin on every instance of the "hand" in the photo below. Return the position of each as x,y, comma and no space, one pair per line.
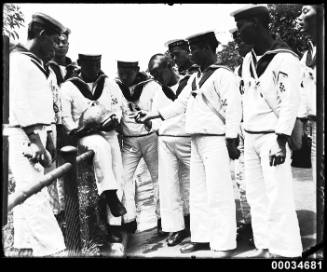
142,117
277,153
113,123
233,152
35,150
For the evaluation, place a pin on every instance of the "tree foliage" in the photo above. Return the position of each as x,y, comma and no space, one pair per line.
282,27
13,18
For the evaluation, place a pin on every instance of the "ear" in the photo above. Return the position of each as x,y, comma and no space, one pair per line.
78,62
138,69
41,33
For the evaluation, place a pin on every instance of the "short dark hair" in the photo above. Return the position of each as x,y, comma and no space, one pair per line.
35,28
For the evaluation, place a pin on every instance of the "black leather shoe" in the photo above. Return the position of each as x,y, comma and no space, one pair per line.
176,237
190,247
114,237
130,227
113,234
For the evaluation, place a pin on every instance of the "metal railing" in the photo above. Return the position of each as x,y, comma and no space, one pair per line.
68,170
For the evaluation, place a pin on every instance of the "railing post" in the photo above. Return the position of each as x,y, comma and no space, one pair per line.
73,234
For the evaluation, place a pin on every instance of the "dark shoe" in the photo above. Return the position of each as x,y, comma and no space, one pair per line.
190,247
159,229
113,234
130,227
114,237
116,207
176,237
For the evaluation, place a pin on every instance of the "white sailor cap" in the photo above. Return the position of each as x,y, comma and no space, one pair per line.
48,22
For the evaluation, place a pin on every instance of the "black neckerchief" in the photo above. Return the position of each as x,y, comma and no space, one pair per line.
138,89
34,59
85,89
139,83
206,74
277,47
183,82
181,85
168,92
56,69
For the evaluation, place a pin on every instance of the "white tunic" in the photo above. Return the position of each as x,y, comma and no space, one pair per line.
222,90
280,85
31,99
130,127
174,126
74,102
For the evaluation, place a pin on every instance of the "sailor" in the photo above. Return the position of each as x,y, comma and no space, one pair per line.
91,105
271,75
139,140
213,111
31,148
57,68
174,152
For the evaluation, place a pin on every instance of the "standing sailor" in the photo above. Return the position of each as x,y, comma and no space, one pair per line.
139,140
30,142
174,152
271,75
213,111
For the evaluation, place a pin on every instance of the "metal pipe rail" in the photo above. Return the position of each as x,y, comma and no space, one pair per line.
19,197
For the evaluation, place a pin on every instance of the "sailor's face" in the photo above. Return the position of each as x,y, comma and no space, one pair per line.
90,69
198,53
48,43
127,75
180,56
61,45
307,18
247,30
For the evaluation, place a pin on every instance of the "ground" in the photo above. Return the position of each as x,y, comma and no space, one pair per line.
147,244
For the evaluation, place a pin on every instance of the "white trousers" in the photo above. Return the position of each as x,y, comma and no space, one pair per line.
269,191
174,181
107,164
34,223
212,203
134,148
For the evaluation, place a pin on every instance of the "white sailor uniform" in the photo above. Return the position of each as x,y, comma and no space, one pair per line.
31,104
107,160
269,189
212,205
138,142
174,153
